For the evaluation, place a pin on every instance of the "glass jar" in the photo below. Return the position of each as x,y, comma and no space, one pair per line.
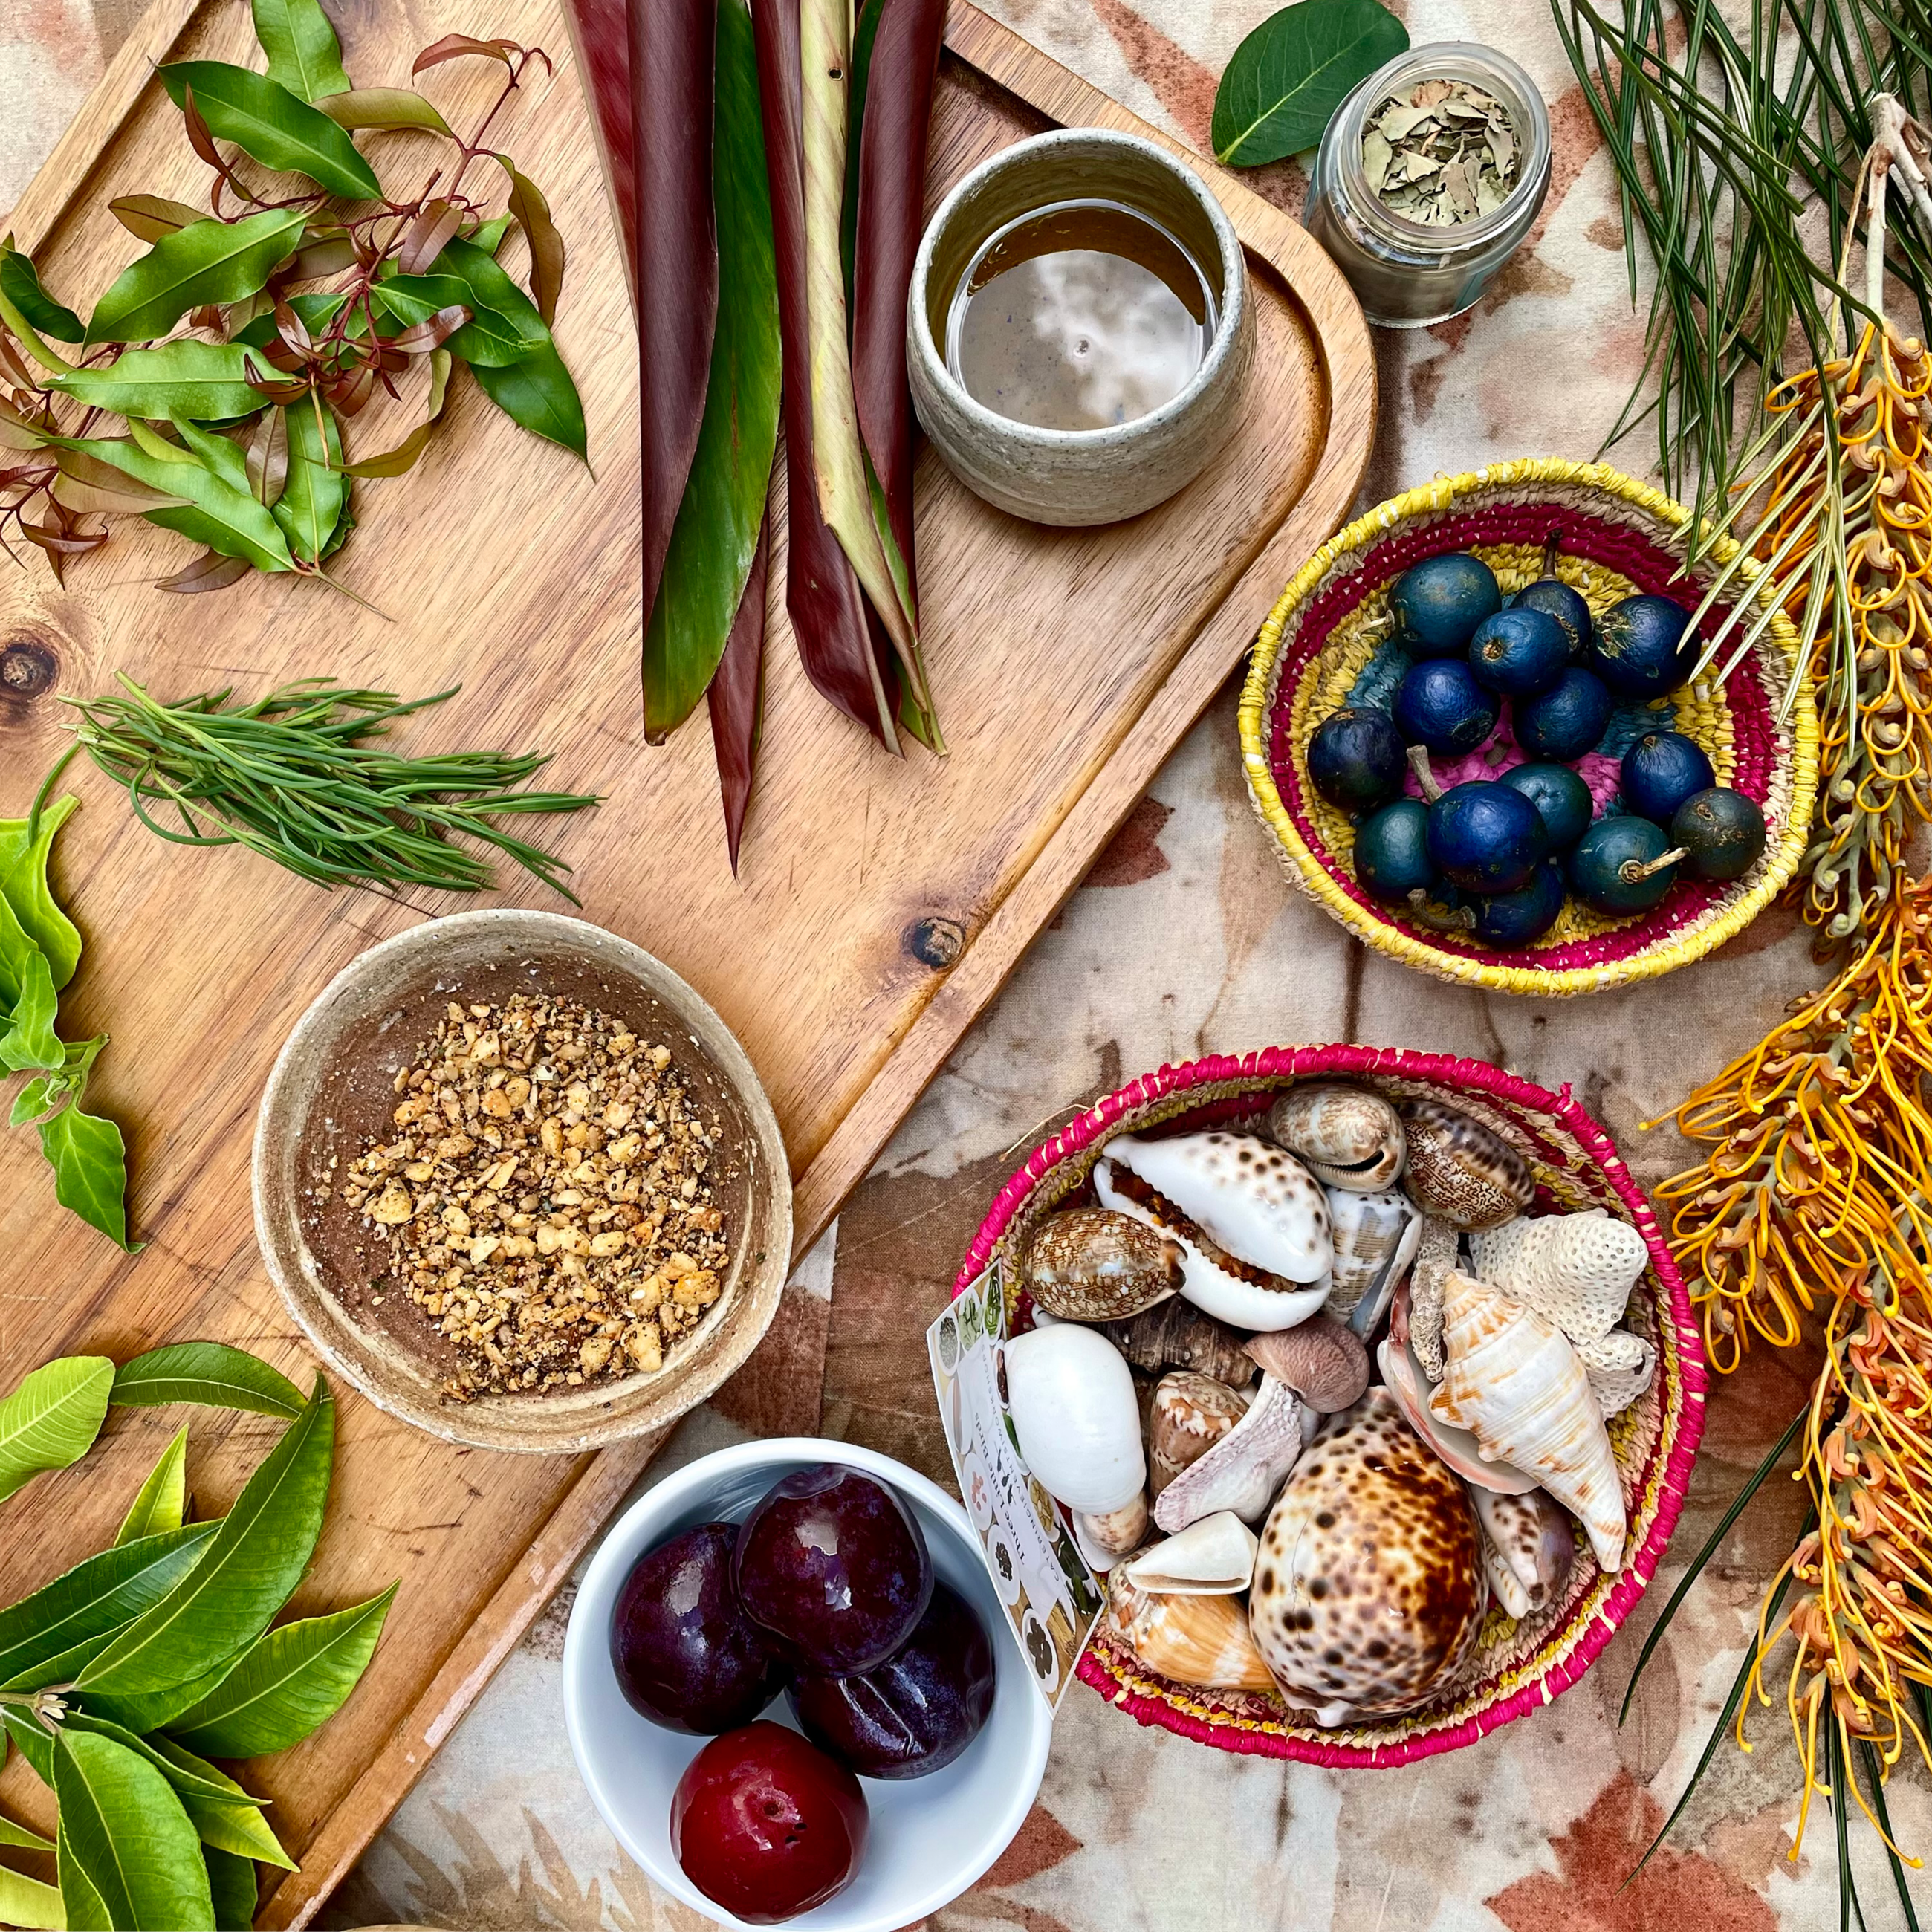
1407,274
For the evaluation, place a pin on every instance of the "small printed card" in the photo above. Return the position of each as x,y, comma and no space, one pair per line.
1052,1598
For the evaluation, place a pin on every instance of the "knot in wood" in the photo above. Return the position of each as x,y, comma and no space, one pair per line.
935,942
28,667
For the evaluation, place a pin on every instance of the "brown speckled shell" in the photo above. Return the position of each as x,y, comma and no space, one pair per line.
1348,1137
1460,1170
1092,1264
1191,1413
1369,1589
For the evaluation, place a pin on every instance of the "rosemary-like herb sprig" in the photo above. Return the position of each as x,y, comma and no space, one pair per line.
293,777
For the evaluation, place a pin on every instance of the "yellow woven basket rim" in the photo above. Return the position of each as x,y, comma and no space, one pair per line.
1306,867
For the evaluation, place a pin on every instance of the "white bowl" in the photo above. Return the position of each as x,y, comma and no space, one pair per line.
930,1837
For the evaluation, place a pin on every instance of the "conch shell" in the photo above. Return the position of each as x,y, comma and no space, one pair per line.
1402,1376
1190,1413
1213,1557
1528,1547
1621,1367
1349,1137
1460,1169
1243,1472
1576,1270
1091,1265
1252,1221
1202,1640
1175,1334
1514,1381
1374,1237
1071,1397
1435,1254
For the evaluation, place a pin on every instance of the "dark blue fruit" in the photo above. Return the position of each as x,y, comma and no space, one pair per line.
1660,771
1508,920
1643,647
1555,598
1355,758
1721,831
1392,851
1440,706
1485,837
1561,798
1518,652
1437,603
1566,721
1609,866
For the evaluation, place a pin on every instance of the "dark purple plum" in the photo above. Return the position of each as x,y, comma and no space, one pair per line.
685,1653
835,1566
916,1711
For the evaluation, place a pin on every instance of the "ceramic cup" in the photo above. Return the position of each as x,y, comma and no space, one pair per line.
1074,477
930,1838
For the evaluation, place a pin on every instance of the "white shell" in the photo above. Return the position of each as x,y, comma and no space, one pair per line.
1212,1557
1071,1395
1375,1236
1245,1194
1403,1376
1244,1304
1576,1271
1621,1367
1514,1381
1245,1470
1505,1584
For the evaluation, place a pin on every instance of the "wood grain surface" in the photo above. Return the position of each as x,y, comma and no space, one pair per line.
881,904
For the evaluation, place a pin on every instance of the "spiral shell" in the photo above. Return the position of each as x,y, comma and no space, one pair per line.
1374,1237
1190,1413
1213,1557
1199,1639
1461,1170
1349,1138
1528,1546
1175,1334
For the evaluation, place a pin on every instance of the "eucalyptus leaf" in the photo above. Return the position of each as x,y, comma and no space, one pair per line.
265,120
51,1635
208,262
25,1901
163,1498
127,1842
89,1159
1293,71
314,490
304,54
538,394
293,1679
231,1883
488,235
198,1779
20,283
11,1833
384,107
51,1418
23,884
218,515
404,457
487,336
210,1373
229,1598
29,1043
203,382
152,216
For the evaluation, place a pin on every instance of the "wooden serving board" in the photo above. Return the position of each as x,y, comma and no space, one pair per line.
882,902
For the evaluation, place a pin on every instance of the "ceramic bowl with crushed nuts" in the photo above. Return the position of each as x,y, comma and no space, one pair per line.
519,1183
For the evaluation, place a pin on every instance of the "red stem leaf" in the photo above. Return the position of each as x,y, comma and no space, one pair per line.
209,571
453,47
602,39
420,338
432,228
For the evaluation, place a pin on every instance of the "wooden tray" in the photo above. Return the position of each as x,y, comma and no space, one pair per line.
882,904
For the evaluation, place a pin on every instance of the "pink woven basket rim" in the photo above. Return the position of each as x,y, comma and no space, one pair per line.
1277,1062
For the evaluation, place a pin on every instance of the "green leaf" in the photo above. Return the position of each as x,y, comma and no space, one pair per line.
89,1159
225,1816
218,515
265,120
304,54
488,235
125,1839
52,1419
229,1598
231,1883
164,1496
208,262
25,1901
294,1678
1293,71
538,394
210,1373
493,289
315,490
20,283
11,1833
384,107
152,216
718,523
23,884
488,336
51,1635
41,1095
30,1043
202,381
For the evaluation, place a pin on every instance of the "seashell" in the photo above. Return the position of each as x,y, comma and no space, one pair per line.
1252,1221
1461,1170
1576,1269
1374,1237
1402,1375
1175,1334
1369,1590
1191,1413
1514,1381
1090,1265
1322,1359
1529,1544
1621,1367
1105,1539
1212,1557
1436,1253
1348,1137
1244,1471
1202,1640
1071,1397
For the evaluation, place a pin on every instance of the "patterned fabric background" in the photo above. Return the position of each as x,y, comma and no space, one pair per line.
1186,939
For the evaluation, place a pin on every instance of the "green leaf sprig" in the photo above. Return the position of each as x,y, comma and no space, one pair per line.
1293,71
234,374
121,1678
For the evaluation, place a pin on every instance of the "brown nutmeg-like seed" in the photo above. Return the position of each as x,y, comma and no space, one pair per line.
1322,1359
